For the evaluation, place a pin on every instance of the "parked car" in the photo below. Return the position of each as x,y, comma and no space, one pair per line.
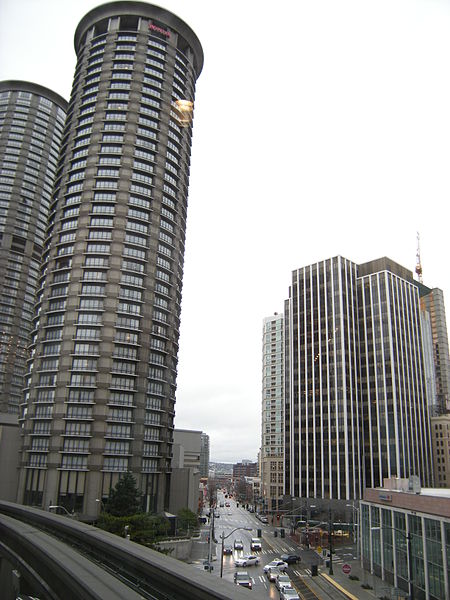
255,544
263,519
227,550
243,578
289,594
272,574
247,560
290,558
276,564
238,545
282,581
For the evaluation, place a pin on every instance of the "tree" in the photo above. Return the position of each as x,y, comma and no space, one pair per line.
125,498
187,520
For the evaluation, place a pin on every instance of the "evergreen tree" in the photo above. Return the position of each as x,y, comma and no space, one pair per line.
187,520
125,499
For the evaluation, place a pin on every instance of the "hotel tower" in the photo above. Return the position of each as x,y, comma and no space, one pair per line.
31,129
100,391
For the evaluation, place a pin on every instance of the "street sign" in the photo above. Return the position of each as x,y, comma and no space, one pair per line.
346,568
319,549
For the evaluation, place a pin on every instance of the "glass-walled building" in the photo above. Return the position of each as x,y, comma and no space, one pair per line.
31,129
323,444
405,536
102,376
397,434
356,394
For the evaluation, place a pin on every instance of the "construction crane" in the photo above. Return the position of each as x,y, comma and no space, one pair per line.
418,262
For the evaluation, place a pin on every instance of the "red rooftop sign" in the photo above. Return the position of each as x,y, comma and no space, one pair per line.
159,29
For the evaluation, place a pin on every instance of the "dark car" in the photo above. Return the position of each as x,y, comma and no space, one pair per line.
227,550
290,558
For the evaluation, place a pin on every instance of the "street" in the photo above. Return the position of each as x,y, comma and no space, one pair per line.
233,517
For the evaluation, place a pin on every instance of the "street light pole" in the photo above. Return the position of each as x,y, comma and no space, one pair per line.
52,506
223,538
211,536
410,565
409,556
330,541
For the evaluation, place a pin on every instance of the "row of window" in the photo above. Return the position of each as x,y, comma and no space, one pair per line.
75,462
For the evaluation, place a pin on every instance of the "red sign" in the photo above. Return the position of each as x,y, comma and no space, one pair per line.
159,29
346,568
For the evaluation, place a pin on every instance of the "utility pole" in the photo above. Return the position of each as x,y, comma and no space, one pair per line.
211,536
330,541
410,565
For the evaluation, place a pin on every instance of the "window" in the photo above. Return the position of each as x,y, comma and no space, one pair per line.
82,380
92,290
118,431
82,429
115,464
120,414
117,447
122,382
75,445
81,396
149,465
130,308
74,462
86,349
98,248
83,333
89,318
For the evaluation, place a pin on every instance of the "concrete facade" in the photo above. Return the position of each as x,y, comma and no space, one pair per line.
102,377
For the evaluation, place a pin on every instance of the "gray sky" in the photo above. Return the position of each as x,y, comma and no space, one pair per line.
322,127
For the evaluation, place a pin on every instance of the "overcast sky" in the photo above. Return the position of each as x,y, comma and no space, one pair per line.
322,127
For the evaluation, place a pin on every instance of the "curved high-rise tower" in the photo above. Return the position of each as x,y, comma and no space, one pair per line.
103,371
31,129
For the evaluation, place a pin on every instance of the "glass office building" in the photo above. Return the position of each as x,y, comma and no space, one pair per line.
405,535
356,403
102,376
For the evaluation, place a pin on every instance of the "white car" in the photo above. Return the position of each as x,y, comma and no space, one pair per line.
276,564
272,574
289,594
282,581
255,544
246,561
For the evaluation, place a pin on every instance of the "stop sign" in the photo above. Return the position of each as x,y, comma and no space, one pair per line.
346,568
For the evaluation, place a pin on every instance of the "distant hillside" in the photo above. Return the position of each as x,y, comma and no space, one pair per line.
221,468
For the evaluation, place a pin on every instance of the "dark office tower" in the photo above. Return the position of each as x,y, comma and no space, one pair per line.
356,401
323,444
397,433
31,128
103,375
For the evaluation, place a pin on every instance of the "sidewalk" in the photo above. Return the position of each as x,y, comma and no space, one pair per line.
353,587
